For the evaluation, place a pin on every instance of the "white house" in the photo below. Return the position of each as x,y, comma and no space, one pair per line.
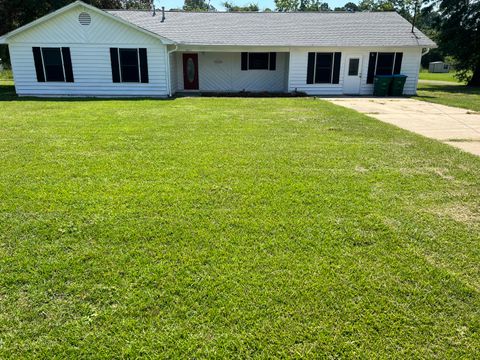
80,50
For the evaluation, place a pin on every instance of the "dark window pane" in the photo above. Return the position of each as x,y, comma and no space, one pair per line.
323,68
52,60
385,63
323,76
324,60
129,65
353,67
258,61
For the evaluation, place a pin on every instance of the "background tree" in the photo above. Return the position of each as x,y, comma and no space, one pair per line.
230,7
16,13
376,5
350,6
459,36
301,5
287,5
197,5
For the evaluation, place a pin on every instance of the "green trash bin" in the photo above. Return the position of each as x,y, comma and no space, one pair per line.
398,83
381,85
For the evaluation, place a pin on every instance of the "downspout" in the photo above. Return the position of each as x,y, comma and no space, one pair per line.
169,73
425,51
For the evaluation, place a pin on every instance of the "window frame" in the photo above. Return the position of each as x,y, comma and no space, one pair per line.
139,70
45,69
357,66
257,52
393,63
332,66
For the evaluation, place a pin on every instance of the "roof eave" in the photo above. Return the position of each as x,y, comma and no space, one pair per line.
41,20
287,45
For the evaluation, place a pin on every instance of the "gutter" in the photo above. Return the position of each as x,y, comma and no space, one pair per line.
425,52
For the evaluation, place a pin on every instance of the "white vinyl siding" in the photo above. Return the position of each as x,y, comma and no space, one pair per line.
173,73
90,52
299,63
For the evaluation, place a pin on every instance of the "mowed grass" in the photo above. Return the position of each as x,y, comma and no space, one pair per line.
232,228
452,95
450,77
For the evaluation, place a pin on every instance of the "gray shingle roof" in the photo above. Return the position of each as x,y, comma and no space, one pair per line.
280,29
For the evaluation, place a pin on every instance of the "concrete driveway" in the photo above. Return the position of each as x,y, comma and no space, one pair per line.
453,126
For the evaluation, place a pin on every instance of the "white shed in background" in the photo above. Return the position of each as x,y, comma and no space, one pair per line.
438,67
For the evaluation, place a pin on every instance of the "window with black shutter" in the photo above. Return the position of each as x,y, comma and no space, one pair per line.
129,65
259,61
384,64
323,68
53,64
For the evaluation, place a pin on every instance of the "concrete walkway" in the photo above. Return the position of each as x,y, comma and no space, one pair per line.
453,126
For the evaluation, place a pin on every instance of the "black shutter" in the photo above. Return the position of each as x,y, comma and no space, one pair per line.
371,68
143,65
398,64
115,65
37,57
67,65
336,68
310,67
244,61
273,61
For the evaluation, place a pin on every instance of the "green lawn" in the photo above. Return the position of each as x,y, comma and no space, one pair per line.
232,228
450,77
452,95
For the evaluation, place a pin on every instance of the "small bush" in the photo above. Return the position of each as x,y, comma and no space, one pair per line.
6,74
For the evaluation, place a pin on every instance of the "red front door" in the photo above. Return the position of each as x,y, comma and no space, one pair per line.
190,71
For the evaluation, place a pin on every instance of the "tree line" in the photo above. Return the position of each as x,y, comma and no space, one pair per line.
453,24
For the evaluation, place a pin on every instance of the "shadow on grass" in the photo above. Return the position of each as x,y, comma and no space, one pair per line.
7,93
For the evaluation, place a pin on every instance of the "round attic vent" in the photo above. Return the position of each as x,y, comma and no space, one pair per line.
84,18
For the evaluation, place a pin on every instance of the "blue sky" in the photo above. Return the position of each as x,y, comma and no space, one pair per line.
261,3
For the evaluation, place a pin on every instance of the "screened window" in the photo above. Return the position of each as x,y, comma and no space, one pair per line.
385,63
324,68
129,65
259,61
53,64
